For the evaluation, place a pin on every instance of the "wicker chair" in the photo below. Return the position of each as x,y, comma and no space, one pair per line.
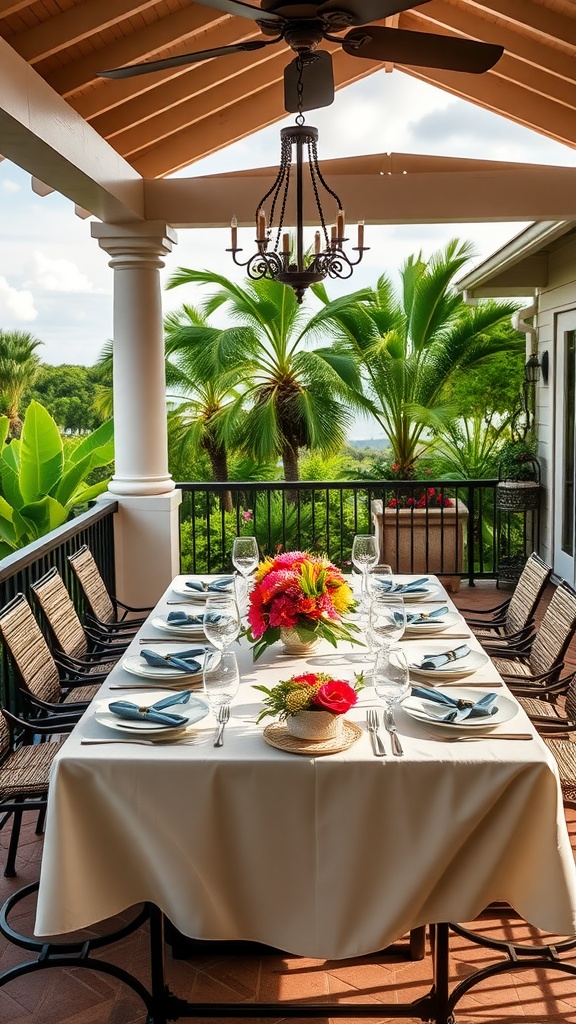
105,613
24,770
556,722
511,622
539,666
45,687
74,647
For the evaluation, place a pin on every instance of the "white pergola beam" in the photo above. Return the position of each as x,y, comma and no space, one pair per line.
41,133
382,189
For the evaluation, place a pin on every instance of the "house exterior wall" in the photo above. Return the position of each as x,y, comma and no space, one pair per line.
558,297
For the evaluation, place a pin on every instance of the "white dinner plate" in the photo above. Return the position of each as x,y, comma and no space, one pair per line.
199,596
190,629
422,710
438,625
453,670
138,666
194,710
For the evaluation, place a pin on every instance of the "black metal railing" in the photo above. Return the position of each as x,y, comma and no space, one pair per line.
94,528
416,522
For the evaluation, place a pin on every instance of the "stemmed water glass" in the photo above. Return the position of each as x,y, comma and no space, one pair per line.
245,558
245,555
391,676
365,555
386,619
221,678
221,621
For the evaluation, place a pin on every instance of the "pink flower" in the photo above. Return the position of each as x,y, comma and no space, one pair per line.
336,696
247,516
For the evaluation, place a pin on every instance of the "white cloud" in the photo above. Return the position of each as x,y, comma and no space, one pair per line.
59,275
10,186
16,305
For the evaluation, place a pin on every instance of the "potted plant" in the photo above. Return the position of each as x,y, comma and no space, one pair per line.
518,488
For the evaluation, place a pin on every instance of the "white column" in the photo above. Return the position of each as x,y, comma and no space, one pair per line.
146,531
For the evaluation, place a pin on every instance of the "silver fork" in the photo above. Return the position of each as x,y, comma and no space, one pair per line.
391,728
373,723
223,717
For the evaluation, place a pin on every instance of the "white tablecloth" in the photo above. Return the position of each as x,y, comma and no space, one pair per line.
326,857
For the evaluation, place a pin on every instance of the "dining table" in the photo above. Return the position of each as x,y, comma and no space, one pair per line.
330,855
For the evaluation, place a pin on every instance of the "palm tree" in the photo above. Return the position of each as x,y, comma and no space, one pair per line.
207,409
19,367
410,344
292,396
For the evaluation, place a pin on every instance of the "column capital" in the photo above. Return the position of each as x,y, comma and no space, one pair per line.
151,238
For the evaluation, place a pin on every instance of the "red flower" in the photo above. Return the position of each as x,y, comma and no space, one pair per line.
336,696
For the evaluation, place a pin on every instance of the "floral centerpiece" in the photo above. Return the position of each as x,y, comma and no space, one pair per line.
311,703
300,592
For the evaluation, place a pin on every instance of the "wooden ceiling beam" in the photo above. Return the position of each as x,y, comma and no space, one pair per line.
150,41
235,122
76,23
468,22
248,81
508,99
166,89
182,99
8,7
537,17
535,78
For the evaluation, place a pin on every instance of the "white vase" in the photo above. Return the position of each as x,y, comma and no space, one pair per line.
314,725
292,644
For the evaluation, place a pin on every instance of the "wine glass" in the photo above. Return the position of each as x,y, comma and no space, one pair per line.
365,555
221,678
391,676
378,575
386,619
245,555
221,622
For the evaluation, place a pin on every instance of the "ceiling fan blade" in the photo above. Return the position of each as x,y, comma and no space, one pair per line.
362,12
132,70
421,49
242,10
317,82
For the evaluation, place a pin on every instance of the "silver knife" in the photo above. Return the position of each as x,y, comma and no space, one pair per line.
391,728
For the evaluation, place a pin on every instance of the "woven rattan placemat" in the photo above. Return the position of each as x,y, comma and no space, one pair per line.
277,735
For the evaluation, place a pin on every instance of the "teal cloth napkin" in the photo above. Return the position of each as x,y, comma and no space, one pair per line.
415,618
155,712
216,586
183,660
434,661
459,710
184,619
415,587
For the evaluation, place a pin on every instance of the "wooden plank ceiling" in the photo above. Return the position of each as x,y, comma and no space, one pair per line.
167,120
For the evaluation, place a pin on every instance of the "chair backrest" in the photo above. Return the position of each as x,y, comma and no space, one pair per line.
95,592
34,665
527,593
64,624
556,630
570,705
5,737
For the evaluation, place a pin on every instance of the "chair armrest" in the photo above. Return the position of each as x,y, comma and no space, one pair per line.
487,611
41,727
523,680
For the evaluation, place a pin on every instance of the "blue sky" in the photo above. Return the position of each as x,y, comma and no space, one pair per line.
56,283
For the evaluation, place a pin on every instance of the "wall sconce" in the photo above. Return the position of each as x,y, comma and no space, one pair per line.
532,369
545,364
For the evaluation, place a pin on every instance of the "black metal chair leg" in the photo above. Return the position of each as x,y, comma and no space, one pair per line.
39,831
10,869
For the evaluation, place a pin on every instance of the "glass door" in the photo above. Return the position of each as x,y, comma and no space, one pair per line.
565,448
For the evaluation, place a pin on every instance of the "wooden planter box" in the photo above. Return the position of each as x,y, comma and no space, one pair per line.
423,540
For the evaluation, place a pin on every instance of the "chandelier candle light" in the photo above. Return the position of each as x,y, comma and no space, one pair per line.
275,257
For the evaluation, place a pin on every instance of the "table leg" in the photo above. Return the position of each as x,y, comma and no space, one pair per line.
440,967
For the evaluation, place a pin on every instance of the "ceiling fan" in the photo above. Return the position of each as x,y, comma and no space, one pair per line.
309,80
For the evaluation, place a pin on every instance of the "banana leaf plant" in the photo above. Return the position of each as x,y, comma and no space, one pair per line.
43,480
